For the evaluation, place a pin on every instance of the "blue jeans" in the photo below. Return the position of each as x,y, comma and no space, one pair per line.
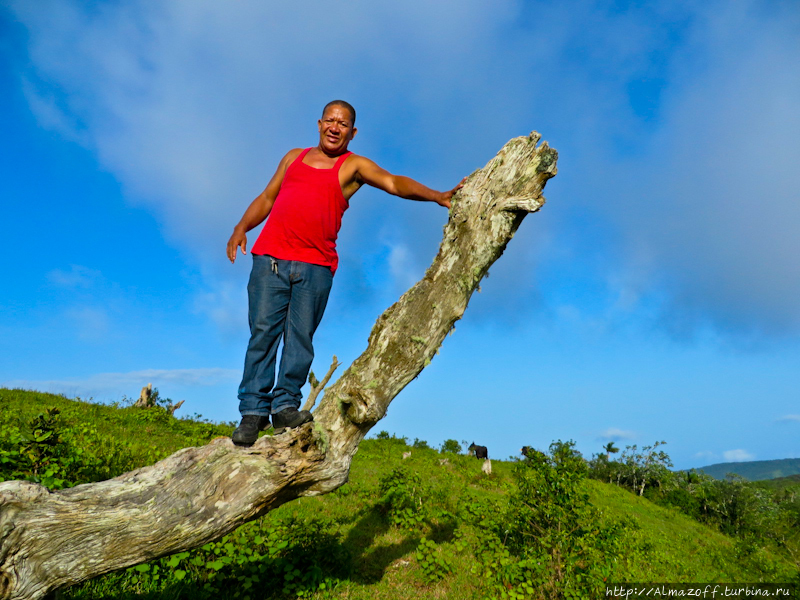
287,300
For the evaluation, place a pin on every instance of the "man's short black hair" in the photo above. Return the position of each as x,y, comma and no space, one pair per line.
343,104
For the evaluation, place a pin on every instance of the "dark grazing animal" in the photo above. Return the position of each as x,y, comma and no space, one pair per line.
479,451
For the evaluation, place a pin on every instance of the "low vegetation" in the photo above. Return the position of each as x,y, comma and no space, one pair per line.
431,525
756,515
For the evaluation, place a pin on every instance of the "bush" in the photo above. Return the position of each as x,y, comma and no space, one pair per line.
384,435
638,470
550,542
736,506
401,498
267,558
451,446
55,456
434,564
684,501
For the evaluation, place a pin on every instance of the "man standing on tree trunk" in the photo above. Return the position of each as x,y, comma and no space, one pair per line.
294,260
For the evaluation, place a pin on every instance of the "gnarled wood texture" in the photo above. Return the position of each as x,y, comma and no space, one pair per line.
49,540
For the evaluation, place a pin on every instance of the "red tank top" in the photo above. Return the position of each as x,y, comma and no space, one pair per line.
305,219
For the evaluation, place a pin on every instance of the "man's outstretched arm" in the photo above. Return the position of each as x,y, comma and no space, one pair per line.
259,208
399,185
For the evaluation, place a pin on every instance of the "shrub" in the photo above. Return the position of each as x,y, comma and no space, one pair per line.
48,452
550,542
384,435
451,446
736,506
401,498
637,470
39,454
267,558
432,561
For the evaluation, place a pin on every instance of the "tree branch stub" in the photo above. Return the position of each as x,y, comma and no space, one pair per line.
318,386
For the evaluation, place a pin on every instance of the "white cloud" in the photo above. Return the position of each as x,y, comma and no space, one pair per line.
711,208
116,385
50,115
737,456
617,435
789,419
402,266
225,303
191,103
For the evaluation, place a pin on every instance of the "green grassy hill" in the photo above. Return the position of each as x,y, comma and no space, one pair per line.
430,526
755,470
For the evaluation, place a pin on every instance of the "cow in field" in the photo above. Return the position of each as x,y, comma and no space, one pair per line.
479,451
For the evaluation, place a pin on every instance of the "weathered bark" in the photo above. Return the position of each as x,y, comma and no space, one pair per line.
147,399
53,539
318,386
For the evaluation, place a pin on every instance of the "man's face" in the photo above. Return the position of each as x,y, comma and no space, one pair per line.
336,130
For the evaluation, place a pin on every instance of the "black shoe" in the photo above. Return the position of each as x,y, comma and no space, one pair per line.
247,431
290,418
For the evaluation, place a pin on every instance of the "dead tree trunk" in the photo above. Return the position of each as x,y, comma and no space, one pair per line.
145,397
147,400
49,540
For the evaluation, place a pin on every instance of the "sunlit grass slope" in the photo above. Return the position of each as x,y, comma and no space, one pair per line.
418,527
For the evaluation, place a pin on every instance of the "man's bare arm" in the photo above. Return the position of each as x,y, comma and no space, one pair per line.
259,208
399,185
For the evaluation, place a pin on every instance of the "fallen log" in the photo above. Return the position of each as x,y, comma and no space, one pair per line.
49,540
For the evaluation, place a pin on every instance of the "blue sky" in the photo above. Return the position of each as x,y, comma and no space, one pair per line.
654,297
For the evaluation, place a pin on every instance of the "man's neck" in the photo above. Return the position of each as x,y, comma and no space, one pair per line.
320,159
337,154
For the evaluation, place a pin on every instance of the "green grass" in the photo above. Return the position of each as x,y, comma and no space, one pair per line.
683,550
357,543
140,430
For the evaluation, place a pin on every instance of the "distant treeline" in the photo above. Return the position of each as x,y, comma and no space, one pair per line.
756,470
732,504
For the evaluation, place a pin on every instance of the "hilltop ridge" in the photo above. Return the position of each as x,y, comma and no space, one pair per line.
755,470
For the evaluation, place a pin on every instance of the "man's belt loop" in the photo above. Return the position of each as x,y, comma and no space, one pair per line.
274,265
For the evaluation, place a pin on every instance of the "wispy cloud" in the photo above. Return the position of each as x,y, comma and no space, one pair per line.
789,419
77,276
617,435
713,203
402,266
91,323
738,455
116,385
225,303
706,456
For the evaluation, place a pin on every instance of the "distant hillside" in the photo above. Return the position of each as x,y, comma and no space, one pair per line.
755,470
